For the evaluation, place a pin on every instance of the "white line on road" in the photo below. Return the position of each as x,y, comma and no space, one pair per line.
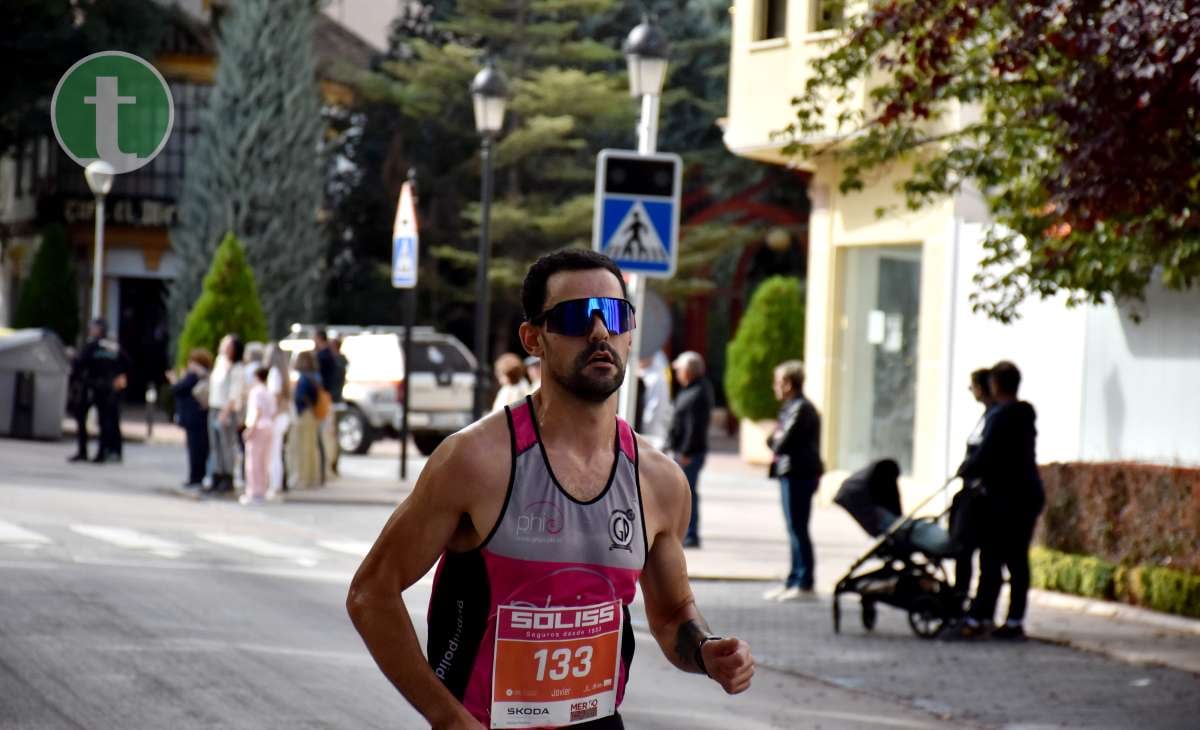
357,548
131,539
11,534
264,548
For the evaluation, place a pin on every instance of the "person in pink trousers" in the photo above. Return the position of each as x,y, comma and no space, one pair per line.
260,425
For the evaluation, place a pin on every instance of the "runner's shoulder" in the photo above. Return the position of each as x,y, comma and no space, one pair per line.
661,478
475,460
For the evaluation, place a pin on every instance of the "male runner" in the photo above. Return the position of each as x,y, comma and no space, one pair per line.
544,516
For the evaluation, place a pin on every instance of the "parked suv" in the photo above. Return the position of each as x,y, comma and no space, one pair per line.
441,389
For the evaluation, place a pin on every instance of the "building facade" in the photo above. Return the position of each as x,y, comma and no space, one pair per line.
891,335
40,185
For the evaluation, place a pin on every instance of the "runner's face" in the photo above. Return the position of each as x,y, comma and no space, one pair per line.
593,366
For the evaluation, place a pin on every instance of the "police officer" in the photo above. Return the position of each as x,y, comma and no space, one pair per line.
101,371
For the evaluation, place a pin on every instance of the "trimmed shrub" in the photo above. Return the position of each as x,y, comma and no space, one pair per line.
48,296
1125,513
1154,587
228,304
771,331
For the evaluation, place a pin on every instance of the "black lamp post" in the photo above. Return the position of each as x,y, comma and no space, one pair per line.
489,91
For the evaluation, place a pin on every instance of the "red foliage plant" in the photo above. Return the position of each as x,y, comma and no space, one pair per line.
1126,513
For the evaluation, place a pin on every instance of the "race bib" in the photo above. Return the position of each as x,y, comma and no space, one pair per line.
555,666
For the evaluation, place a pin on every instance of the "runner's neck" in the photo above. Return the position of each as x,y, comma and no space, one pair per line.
573,423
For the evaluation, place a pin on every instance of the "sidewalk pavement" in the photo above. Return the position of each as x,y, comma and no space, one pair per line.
744,539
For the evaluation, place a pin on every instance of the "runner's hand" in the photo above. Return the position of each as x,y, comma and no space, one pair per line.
729,663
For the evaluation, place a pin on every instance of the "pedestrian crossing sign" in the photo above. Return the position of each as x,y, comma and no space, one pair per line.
637,211
404,241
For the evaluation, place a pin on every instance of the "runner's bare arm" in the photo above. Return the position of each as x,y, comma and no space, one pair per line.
441,512
675,621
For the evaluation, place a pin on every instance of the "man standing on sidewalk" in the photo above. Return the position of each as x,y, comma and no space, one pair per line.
687,440
99,372
1006,464
797,465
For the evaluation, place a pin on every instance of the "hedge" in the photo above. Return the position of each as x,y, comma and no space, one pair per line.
1124,513
1150,586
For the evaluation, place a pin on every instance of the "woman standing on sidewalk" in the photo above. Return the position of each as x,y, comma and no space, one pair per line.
279,385
304,461
797,465
260,422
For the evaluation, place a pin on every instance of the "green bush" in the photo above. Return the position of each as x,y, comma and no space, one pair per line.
1155,587
771,331
227,304
48,296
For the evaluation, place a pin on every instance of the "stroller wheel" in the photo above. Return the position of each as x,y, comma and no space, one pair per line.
925,616
869,614
837,615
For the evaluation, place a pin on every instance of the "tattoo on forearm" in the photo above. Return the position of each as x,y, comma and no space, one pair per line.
687,644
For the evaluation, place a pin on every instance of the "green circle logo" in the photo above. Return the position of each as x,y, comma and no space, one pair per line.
112,106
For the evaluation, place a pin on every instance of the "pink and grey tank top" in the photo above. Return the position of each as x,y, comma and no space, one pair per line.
531,629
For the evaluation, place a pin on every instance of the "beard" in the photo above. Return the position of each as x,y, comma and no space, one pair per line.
589,387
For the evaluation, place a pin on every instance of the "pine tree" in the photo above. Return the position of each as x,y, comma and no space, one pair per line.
771,331
256,171
228,304
48,296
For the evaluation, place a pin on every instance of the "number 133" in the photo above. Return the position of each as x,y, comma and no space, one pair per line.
562,659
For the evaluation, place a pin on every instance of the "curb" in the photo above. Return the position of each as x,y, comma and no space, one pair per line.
1110,609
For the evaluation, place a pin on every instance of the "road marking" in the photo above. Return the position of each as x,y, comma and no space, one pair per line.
263,548
357,548
11,534
131,539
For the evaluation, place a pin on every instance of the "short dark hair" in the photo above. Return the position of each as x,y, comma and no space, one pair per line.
533,291
981,379
321,334
1006,378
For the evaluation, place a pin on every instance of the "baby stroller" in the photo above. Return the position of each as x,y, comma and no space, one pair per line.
911,550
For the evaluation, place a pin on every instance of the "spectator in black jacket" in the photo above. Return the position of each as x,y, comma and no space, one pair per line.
687,440
797,465
969,502
1005,463
191,412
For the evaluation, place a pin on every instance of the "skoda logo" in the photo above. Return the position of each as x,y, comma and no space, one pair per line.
620,529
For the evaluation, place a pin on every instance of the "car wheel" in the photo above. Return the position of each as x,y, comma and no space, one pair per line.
427,441
354,434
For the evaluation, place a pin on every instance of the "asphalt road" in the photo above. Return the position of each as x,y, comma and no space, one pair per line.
124,606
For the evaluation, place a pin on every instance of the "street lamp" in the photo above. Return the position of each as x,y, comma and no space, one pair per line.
99,176
489,92
646,52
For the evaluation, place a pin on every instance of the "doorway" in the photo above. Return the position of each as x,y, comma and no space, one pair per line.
877,357
142,332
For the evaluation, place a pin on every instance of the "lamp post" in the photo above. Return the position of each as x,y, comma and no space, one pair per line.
646,50
489,92
99,176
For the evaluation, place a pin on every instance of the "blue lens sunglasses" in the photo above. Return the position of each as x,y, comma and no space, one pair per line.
573,317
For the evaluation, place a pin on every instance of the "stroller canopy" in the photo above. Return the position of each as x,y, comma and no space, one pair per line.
869,490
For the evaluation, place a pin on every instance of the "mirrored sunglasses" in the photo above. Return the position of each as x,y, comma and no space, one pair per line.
573,317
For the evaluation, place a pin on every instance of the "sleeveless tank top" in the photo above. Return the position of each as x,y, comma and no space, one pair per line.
531,629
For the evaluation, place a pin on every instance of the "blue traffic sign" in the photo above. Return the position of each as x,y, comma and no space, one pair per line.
637,211
404,261
405,241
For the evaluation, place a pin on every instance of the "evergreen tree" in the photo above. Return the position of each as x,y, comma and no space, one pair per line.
771,331
48,296
256,170
228,304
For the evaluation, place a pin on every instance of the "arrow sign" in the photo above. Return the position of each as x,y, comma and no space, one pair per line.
405,241
637,211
